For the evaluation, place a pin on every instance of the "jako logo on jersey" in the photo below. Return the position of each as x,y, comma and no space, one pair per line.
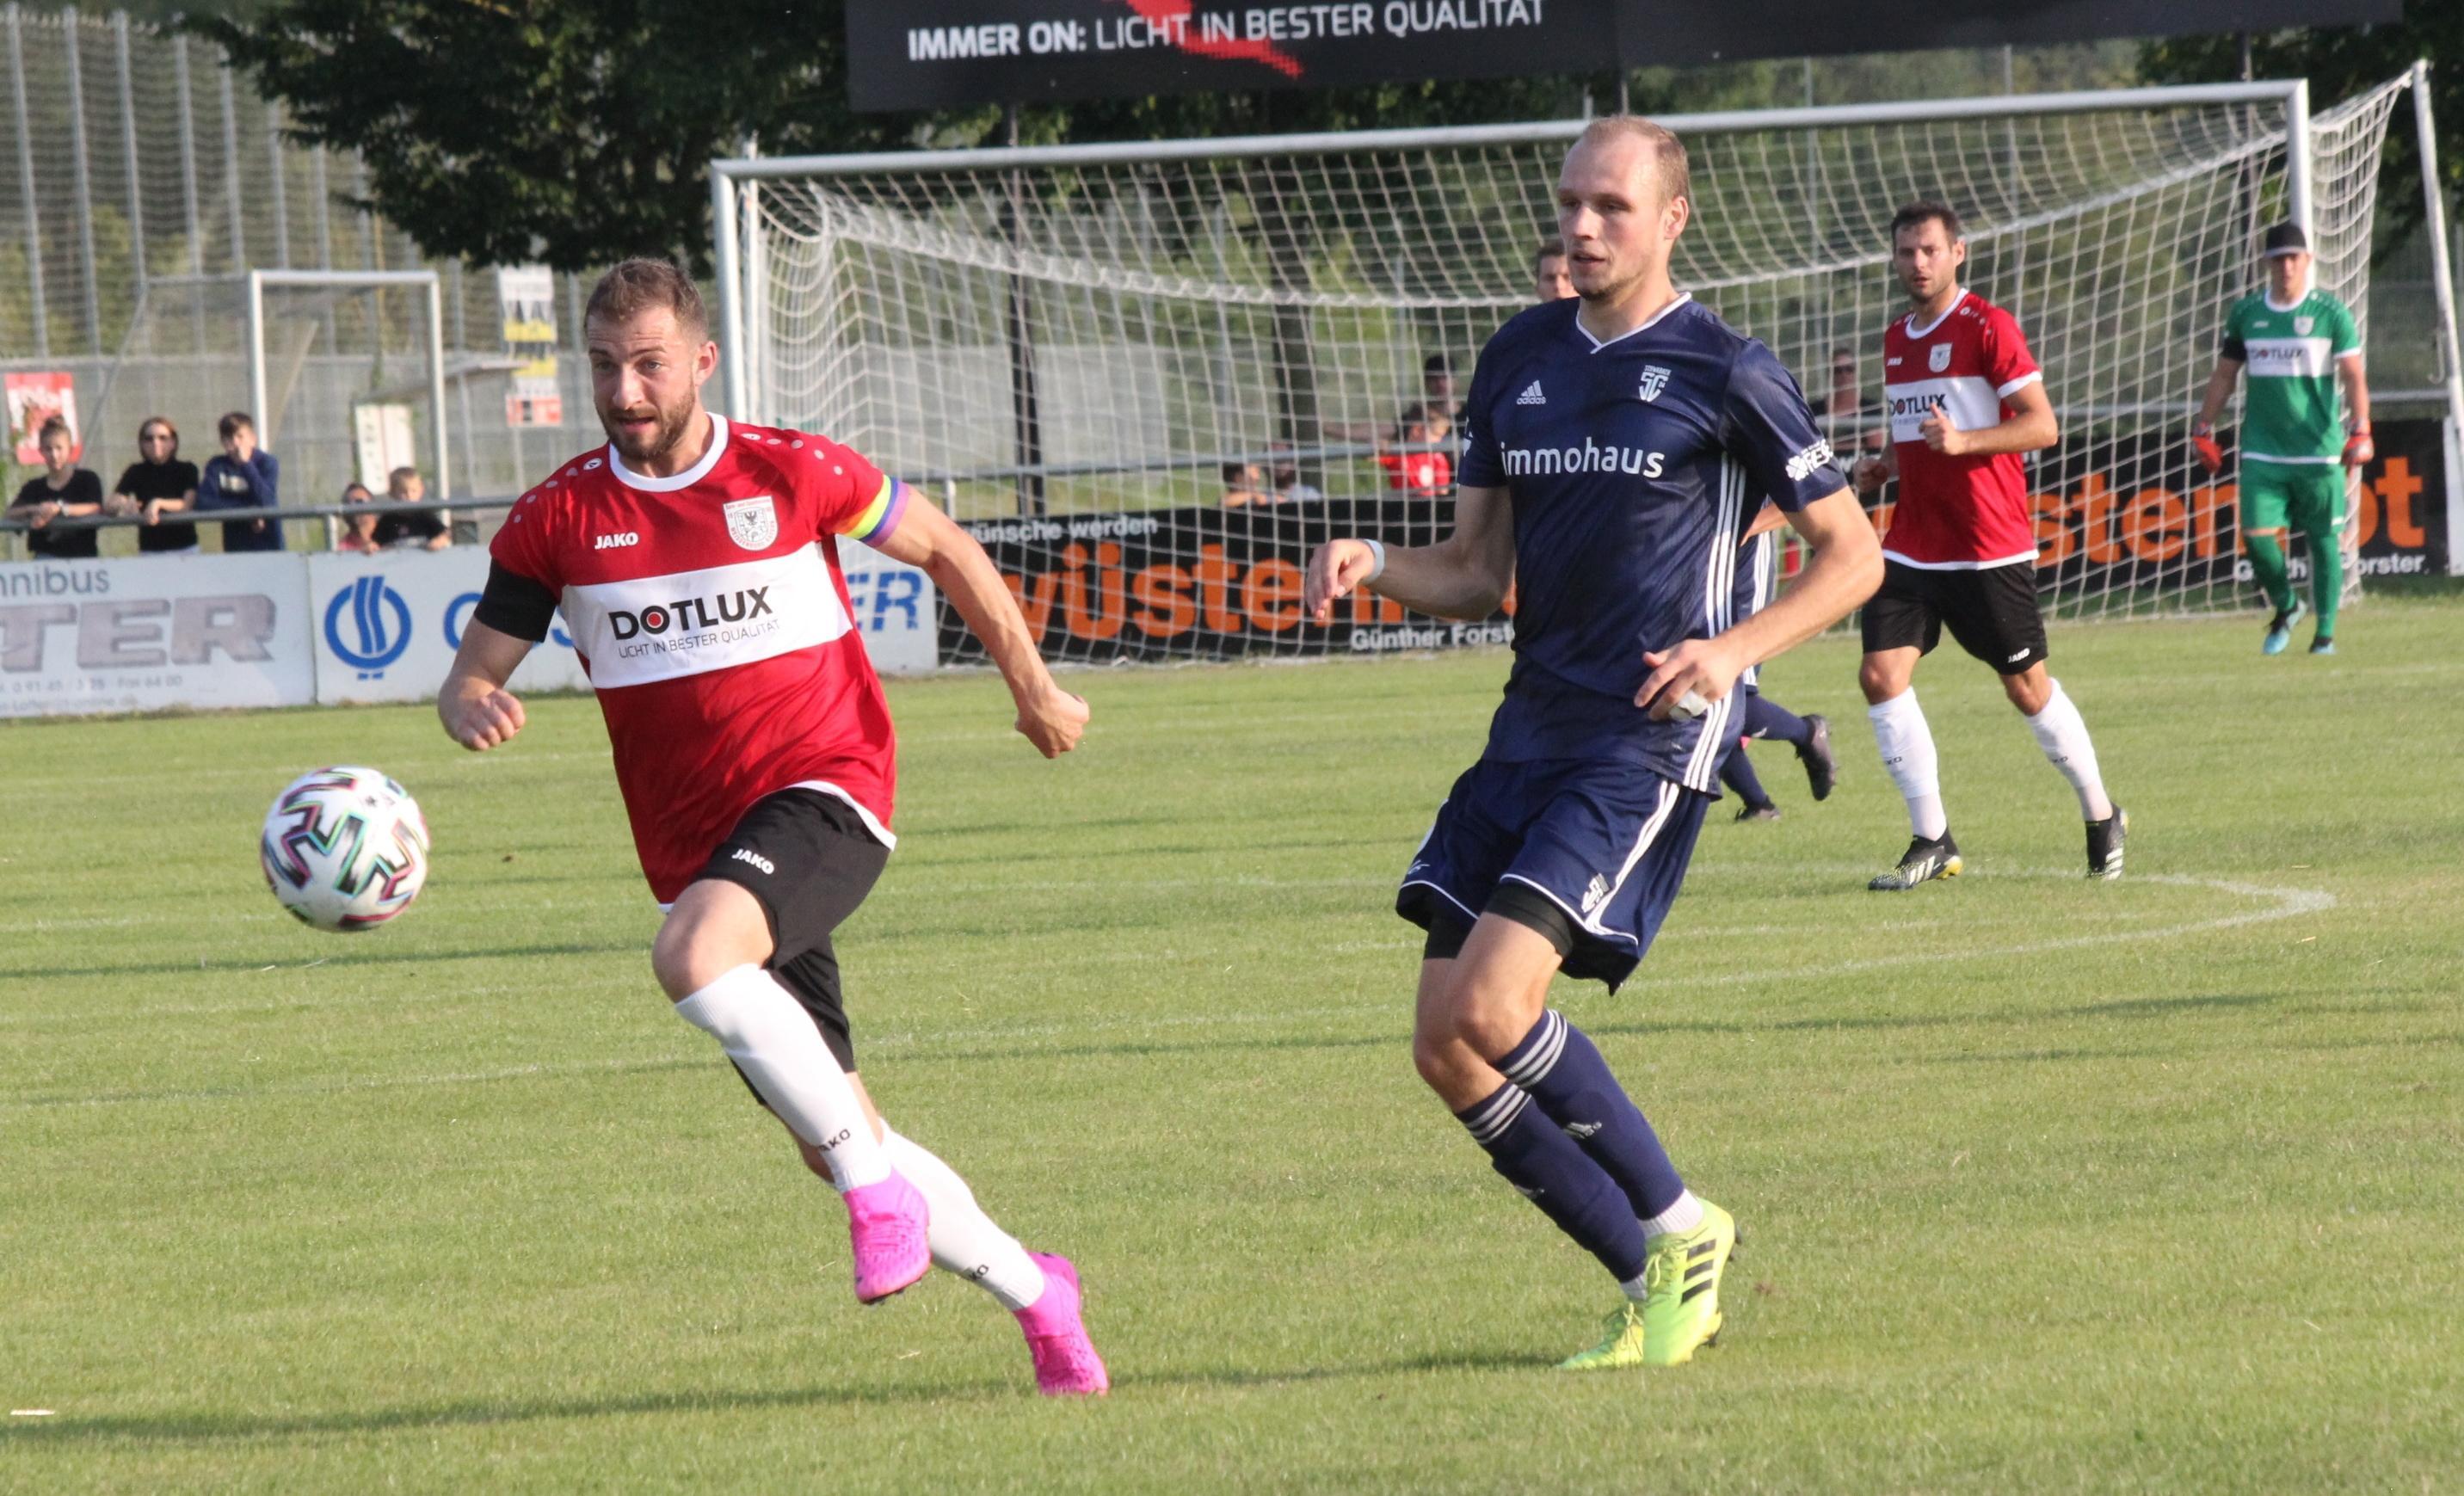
609,543
730,607
1938,356
748,854
1589,457
1817,455
1655,379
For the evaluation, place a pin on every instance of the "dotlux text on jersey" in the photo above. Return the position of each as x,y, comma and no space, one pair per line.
706,620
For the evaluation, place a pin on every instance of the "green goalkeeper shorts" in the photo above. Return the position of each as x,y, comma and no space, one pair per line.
2308,496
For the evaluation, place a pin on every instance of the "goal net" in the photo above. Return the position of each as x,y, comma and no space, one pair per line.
1150,377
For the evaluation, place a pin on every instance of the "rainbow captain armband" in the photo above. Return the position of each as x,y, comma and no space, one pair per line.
880,516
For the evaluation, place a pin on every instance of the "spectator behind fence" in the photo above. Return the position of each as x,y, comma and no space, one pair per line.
1423,468
156,484
1245,486
242,477
1850,422
358,535
430,531
65,490
1284,466
1550,279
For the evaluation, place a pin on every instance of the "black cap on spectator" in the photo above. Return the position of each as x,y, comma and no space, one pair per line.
2287,239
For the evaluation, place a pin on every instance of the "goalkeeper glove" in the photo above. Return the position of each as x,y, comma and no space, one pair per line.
2359,448
2203,441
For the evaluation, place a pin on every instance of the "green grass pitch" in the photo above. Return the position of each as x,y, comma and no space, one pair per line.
2048,1186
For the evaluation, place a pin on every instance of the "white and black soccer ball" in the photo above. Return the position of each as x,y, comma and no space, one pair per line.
344,848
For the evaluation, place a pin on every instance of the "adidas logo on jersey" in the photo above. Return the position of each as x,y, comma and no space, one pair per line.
610,542
1531,396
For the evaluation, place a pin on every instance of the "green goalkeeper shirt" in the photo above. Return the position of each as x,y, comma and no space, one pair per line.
2290,414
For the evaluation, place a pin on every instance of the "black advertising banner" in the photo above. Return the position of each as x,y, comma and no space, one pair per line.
1203,583
2143,514
940,53
1221,584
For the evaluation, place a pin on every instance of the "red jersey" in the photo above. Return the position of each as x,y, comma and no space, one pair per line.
1965,513
710,614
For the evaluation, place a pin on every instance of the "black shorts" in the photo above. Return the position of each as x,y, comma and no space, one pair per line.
1992,614
808,860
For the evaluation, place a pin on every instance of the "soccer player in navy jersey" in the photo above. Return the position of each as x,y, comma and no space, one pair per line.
1617,446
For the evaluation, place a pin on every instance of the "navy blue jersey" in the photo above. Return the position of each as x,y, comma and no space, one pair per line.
1634,466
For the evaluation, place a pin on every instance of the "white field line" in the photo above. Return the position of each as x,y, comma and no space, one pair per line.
2282,903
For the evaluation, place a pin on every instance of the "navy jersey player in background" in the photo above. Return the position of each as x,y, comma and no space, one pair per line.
1617,446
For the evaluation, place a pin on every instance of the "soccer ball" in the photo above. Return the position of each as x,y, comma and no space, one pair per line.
344,848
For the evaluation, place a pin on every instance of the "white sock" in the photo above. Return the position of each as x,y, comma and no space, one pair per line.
963,1239
1684,1215
1899,731
772,1040
2062,734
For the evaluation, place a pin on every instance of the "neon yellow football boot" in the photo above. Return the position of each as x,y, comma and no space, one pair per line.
1680,1313
1621,1342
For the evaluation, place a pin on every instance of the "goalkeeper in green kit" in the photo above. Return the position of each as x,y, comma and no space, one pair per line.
2294,454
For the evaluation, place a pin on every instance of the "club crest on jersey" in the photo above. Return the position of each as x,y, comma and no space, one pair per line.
1655,379
2303,324
1938,356
751,523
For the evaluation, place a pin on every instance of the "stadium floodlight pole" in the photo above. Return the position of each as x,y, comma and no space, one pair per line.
259,397
2442,281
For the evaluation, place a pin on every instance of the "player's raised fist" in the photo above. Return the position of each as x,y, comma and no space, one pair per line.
1336,568
2359,448
1055,721
479,720
1869,474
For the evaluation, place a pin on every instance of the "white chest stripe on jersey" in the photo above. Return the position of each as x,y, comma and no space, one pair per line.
690,622
1967,399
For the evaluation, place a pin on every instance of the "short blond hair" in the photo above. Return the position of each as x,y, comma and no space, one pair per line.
1667,152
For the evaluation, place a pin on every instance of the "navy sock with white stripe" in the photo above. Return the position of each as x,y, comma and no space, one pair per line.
1555,1175
1768,720
1566,1079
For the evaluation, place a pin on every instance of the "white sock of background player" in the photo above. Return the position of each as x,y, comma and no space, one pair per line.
2062,734
1899,731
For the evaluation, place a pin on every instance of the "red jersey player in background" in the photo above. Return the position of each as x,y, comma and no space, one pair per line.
1966,399
695,563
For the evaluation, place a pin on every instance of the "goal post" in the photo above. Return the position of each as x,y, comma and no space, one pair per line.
1084,351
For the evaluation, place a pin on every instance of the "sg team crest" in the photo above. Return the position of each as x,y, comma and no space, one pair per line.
751,523
1938,356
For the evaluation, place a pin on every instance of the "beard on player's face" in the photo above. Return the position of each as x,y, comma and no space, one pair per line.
669,426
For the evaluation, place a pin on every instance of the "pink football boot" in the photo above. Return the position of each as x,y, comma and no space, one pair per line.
885,1225
1065,1362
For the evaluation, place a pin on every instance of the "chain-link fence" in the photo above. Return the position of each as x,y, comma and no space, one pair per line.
141,178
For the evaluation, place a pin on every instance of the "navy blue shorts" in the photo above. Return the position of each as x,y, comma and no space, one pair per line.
1606,843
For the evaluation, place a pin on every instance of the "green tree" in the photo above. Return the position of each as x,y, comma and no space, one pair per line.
2341,62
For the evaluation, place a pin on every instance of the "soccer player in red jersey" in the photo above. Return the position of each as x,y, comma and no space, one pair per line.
695,563
1966,399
